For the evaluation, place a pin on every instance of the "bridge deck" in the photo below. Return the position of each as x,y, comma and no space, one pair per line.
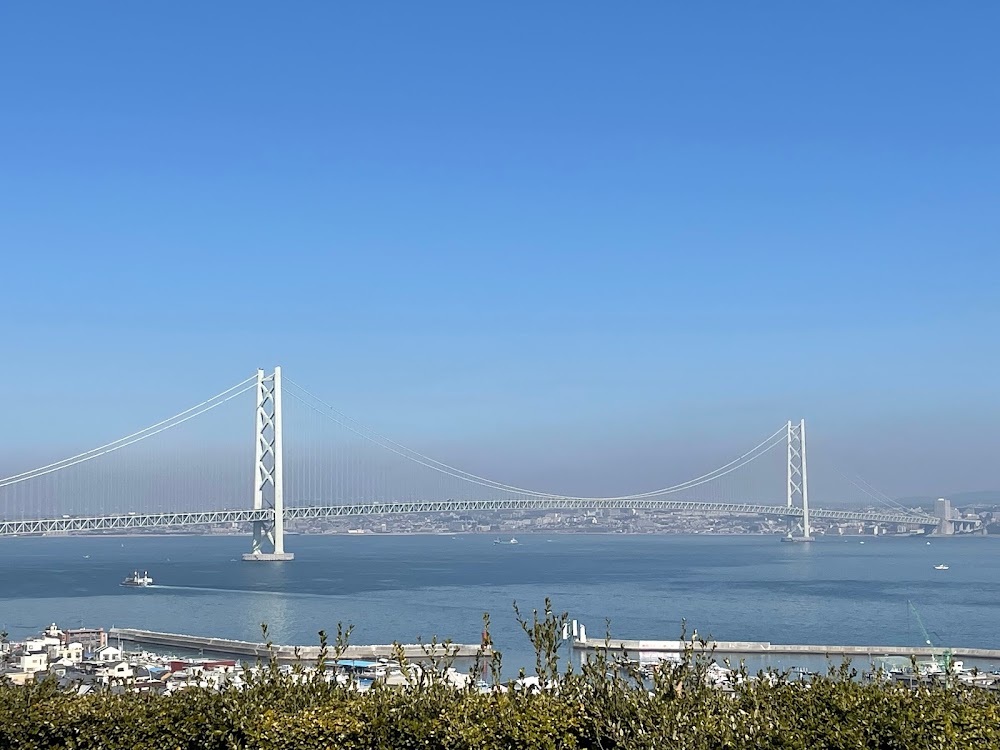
121,522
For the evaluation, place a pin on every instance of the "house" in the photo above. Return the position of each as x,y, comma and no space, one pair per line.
108,653
71,653
41,644
71,677
116,672
29,663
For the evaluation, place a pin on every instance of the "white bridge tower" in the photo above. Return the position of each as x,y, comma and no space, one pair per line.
798,478
268,534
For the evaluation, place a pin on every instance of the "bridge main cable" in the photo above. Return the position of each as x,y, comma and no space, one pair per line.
386,443
135,437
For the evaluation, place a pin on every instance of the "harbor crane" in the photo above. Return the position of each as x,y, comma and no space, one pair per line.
944,659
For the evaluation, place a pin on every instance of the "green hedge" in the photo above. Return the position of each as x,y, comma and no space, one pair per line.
832,713
603,707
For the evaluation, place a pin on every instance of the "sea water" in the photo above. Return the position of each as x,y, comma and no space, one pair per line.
405,588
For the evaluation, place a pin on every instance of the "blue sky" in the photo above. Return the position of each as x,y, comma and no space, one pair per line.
491,231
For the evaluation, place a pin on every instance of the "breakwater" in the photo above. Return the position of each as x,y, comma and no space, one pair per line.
766,647
286,654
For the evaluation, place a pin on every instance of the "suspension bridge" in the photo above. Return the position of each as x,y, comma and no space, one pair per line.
354,471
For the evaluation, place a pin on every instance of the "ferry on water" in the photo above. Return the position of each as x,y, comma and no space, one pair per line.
499,541
138,580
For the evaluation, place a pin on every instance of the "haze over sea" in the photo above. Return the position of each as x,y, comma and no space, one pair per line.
834,591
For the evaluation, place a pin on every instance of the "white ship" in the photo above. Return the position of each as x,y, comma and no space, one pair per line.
138,580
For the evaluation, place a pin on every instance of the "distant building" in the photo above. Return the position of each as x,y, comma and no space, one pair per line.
90,638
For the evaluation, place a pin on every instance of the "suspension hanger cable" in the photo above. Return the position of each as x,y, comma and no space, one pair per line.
114,445
401,450
874,493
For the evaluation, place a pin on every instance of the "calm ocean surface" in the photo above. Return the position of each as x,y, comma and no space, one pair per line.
834,591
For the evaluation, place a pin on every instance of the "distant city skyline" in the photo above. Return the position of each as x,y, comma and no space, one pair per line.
572,245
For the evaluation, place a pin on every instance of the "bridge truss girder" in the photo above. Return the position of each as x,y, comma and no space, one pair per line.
97,524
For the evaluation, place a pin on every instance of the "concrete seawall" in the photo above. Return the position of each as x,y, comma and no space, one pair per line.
765,647
285,654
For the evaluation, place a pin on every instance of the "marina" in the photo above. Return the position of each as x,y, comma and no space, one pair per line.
912,666
90,657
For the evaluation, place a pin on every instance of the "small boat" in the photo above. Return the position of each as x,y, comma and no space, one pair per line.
940,567
138,580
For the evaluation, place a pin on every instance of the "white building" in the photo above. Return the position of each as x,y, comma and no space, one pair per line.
31,663
108,653
40,645
71,653
121,670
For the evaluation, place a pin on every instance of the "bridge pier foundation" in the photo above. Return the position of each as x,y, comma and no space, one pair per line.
268,556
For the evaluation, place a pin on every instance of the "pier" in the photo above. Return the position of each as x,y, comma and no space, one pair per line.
286,654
